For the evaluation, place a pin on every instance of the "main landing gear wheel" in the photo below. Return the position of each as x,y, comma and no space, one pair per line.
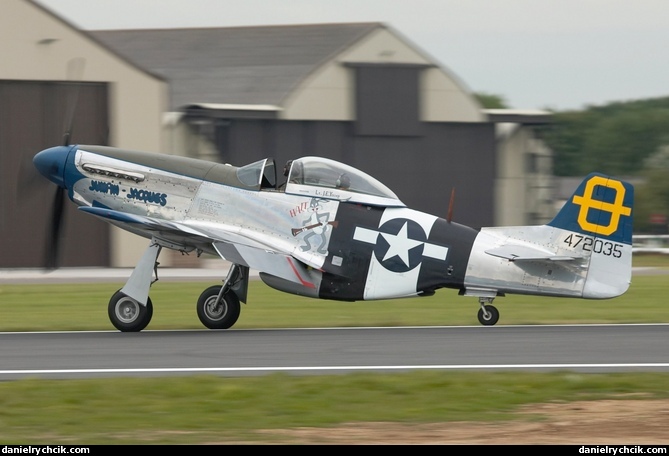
128,315
215,313
488,315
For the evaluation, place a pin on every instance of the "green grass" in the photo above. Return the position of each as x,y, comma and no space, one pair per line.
84,307
210,409
651,260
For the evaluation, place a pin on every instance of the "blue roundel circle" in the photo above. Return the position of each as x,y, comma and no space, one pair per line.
399,246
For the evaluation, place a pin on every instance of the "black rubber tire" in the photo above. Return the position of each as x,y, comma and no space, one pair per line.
492,318
221,316
127,315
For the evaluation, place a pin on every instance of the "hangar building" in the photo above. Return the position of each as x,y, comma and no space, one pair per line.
360,93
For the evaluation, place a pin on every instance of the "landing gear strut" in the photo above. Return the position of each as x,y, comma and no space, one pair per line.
130,308
488,314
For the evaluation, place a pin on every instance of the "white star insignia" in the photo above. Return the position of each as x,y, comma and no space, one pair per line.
400,244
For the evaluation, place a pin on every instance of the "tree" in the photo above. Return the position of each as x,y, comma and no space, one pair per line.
613,139
619,144
651,209
490,101
566,136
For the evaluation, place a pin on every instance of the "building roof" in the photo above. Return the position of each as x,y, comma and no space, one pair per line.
237,65
522,116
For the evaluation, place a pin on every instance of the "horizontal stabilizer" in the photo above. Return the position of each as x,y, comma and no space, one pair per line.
513,252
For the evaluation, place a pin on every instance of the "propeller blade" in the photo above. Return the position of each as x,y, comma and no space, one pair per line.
449,217
75,72
28,174
53,235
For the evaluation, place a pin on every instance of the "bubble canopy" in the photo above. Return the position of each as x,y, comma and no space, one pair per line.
324,178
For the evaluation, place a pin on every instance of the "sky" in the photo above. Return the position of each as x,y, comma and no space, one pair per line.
534,54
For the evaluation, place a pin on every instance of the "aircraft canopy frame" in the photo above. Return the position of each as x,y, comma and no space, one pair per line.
325,178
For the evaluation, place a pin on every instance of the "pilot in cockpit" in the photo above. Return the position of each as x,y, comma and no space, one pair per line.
286,167
343,182
286,172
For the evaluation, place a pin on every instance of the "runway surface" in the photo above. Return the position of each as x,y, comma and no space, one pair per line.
583,348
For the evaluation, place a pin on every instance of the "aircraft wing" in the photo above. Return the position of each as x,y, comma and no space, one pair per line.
517,252
230,245
273,263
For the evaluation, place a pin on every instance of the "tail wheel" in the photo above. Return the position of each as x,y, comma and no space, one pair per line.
215,314
128,315
488,315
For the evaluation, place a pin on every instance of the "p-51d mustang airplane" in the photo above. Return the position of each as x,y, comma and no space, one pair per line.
334,232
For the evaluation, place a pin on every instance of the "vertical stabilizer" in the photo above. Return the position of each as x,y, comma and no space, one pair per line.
599,218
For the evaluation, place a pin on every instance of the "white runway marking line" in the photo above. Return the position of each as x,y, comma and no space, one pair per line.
327,368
